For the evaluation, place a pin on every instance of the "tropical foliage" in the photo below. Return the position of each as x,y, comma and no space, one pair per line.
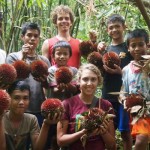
89,14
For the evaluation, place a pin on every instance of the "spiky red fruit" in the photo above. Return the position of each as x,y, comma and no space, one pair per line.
111,58
63,75
4,100
22,68
86,47
92,119
39,68
96,59
52,106
133,100
8,74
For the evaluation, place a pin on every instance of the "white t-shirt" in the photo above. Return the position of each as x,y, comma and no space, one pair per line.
2,56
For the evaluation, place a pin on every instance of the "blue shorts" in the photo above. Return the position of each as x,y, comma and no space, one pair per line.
121,120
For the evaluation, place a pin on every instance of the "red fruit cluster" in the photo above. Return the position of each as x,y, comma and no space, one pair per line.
111,58
133,100
86,47
8,74
22,68
93,119
52,106
63,75
39,68
96,59
4,100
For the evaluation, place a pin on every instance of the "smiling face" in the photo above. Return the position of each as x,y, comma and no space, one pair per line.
137,48
19,101
115,30
63,22
32,37
88,82
61,56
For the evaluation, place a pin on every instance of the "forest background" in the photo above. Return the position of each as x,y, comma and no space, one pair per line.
89,15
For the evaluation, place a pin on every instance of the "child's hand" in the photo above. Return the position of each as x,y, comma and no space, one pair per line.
101,47
3,85
117,69
62,87
41,79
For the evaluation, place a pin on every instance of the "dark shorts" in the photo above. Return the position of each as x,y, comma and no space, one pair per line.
121,121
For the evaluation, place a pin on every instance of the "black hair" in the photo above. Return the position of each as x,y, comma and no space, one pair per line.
62,44
137,33
115,18
28,26
18,85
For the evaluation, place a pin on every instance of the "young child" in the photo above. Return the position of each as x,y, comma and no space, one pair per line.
89,78
62,17
16,126
30,37
113,77
135,82
61,54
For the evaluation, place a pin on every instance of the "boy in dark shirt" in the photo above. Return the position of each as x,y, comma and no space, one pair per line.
113,77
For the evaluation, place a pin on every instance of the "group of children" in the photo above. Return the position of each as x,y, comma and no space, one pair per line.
63,50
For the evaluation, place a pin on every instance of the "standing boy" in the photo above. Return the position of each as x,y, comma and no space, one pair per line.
62,17
113,77
136,82
30,37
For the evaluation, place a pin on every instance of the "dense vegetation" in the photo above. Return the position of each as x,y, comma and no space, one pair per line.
89,14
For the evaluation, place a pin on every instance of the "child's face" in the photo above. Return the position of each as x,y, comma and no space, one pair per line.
61,56
19,101
88,82
63,22
137,47
31,37
115,30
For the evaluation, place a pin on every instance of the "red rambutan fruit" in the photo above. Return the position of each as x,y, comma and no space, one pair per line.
96,59
4,100
63,75
86,47
39,68
111,58
8,74
52,106
22,68
133,100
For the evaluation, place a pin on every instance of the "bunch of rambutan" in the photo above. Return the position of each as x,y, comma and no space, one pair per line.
92,119
51,106
4,100
63,75
22,68
111,58
39,68
8,74
96,59
134,100
86,47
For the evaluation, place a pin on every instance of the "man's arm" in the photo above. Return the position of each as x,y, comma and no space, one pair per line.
2,134
40,142
45,48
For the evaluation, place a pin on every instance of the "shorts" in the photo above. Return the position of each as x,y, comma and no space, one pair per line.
142,126
122,119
